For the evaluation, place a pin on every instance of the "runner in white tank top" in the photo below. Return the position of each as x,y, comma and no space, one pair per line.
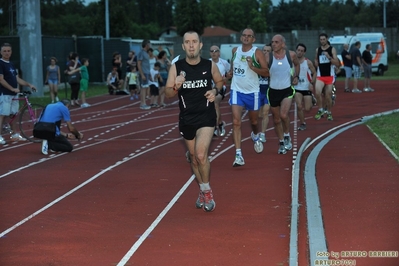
248,63
307,77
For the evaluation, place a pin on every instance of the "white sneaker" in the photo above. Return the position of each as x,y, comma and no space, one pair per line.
45,147
258,145
239,161
356,90
2,140
17,137
85,105
262,137
57,99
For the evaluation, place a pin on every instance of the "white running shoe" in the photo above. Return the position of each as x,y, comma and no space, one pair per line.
17,137
287,143
262,137
2,140
239,161
258,145
45,147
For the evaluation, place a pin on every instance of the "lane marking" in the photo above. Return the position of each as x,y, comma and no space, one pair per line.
317,238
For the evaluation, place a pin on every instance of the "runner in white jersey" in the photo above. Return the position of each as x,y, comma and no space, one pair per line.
248,63
304,88
281,93
264,102
224,67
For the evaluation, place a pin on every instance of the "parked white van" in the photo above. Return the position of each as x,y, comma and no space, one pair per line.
225,49
379,49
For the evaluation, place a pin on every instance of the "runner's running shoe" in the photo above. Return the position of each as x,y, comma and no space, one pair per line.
2,140
200,201
262,137
319,114
281,149
287,143
222,131
302,127
258,145
329,117
239,161
209,203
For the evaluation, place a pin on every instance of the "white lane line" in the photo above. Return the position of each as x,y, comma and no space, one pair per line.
295,206
317,238
126,159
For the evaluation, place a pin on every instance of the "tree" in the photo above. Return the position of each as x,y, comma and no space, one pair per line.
188,17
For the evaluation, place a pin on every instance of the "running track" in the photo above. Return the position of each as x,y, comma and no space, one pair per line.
125,196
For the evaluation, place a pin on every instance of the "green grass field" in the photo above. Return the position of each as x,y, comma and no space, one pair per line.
386,127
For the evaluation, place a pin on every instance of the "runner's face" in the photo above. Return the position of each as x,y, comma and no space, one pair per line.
214,52
300,51
266,49
247,37
277,43
323,40
6,52
192,45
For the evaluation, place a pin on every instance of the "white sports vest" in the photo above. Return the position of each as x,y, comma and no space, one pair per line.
244,79
304,77
280,74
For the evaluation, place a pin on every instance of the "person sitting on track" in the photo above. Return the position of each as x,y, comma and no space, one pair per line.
55,113
9,82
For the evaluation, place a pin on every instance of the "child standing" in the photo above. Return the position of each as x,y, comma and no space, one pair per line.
131,80
84,81
154,84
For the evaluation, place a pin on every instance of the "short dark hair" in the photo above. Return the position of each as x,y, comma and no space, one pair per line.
144,43
66,102
84,60
157,64
301,44
161,54
368,46
323,35
357,43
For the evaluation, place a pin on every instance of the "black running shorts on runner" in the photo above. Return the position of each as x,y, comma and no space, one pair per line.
189,131
277,96
304,93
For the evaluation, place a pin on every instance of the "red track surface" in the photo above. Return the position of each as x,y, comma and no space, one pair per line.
136,168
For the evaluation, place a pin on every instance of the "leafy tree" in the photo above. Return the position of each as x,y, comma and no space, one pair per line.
189,17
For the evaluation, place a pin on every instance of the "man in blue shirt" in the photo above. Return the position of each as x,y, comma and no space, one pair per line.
55,113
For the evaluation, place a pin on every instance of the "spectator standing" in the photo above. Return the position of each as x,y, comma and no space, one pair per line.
132,80
284,72
224,67
347,59
155,77
9,88
55,113
357,66
84,81
131,61
191,79
73,64
367,60
53,78
143,65
117,62
248,62
163,71
303,90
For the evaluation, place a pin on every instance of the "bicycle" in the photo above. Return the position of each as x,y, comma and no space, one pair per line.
28,115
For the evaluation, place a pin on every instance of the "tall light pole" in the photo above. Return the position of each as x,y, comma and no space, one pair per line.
385,15
106,20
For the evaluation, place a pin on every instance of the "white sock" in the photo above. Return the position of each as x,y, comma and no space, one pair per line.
238,152
286,134
205,186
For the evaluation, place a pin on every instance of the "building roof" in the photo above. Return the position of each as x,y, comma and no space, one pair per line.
217,31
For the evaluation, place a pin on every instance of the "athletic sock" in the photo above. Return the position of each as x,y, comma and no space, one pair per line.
205,186
238,152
